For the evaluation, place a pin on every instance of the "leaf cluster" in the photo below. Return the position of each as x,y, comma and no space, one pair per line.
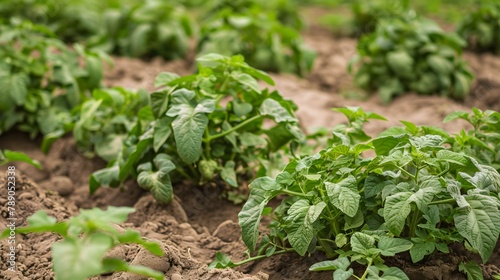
148,28
101,123
411,54
416,194
134,28
217,125
265,34
41,79
86,240
481,142
481,27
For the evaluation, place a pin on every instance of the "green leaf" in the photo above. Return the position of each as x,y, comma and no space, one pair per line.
340,263
420,250
400,62
456,115
472,269
266,183
391,246
189,123
383,145
159,102
157,182
396,209
246,80
109,147
10,156
162,131
50,138
78,259
111,265
221,261
341,274
344,195
440,64
361,243
132,236
108,176
394,273
241,109
39,222
15,86
300,219
479,223
164,78
228,174
273,109
250,214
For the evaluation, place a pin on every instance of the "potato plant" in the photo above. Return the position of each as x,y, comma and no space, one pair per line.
481,28
366,15
101,123
148,28
482,141
86,240
249,29
217,125
41,79
411,54
416,195
135,28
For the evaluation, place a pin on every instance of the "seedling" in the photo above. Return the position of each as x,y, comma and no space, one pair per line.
86,240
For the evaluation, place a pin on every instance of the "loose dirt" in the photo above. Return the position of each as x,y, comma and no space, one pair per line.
199,222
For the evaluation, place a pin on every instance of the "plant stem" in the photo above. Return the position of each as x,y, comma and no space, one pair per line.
444,201
414,222
209,138
363,277
293,193
261,257
207,144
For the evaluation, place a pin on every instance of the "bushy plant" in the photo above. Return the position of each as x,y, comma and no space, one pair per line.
148,28
130,28
366,15
101,123
41,78
412,54
481,142
217,125
481,28
415,195
267,39
86,240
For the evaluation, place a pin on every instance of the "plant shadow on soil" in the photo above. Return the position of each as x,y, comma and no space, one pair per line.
199,222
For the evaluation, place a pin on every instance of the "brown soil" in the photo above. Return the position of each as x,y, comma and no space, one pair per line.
199,223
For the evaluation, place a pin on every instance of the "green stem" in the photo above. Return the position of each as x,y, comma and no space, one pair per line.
414,222
209,138
207,144
444,201
183,173
261,257
363,277
407,173
293,193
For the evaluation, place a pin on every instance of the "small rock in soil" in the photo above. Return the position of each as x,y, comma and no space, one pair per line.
146,258
228,231
176,276
60,184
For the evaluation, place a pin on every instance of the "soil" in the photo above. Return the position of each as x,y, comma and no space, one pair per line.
199,223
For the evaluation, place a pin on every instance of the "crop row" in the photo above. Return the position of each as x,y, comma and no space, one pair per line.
423,190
